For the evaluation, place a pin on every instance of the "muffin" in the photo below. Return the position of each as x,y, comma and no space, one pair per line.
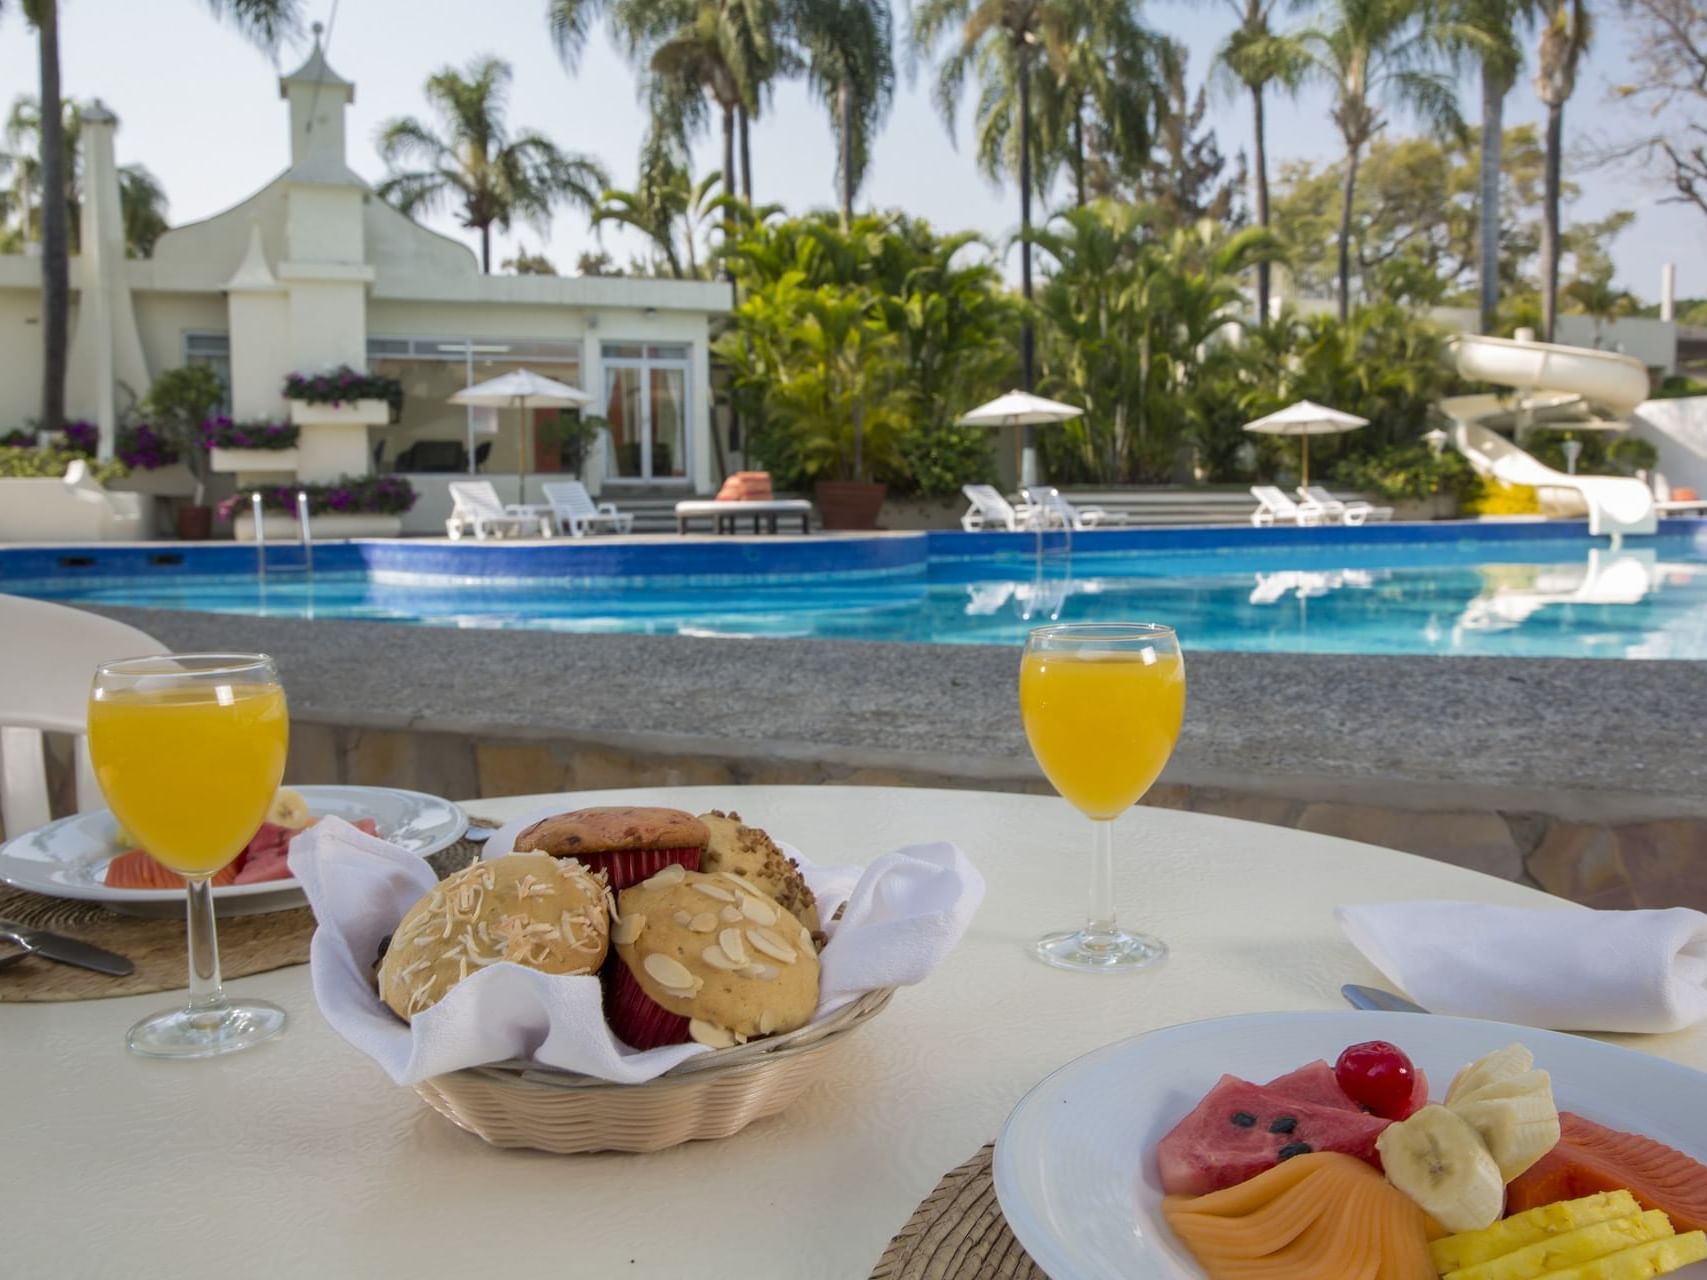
625,842
754,856
708,958
549,914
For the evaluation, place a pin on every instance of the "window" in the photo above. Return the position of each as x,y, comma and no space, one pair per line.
213,351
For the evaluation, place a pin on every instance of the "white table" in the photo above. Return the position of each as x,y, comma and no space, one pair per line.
301,1158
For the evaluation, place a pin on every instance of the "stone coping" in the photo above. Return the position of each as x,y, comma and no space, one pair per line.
1576,738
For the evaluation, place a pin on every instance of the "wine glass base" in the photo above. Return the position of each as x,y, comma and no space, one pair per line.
206,1033
1117,952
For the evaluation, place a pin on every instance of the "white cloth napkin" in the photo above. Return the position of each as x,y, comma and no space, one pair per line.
1563,969
905,912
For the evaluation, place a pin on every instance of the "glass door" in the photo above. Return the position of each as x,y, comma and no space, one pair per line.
646,403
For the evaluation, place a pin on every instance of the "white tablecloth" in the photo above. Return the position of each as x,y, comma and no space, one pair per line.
300,1158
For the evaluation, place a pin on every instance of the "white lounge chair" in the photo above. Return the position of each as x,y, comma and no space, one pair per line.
475,509
1357,511
1051,509
1273,506
991,511
576,514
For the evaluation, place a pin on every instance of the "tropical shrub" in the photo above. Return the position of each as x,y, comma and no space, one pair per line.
1494,498
361,495
50,464
177,404
141,448
1409,473
1603,454
1677,386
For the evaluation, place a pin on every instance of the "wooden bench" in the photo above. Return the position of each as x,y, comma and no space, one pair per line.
746,493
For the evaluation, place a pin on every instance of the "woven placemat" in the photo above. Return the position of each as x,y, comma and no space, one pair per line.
247,944
958,1233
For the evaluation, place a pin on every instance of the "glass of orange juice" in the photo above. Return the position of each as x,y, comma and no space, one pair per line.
189,750
1102,705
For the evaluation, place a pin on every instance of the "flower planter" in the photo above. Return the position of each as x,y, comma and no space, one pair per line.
283,528
246,460
372,413
848,504
195,524
173,481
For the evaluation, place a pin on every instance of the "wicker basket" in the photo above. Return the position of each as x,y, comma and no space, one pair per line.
711,1095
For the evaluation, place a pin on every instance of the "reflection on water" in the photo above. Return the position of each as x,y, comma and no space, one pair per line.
1554,599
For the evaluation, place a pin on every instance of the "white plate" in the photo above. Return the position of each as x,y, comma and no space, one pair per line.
1075,1166
68,858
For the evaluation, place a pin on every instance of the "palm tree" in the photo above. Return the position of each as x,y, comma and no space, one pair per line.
1595,295
669,208
265,22
850,61
1373,52
1256,56
1565,36
475,163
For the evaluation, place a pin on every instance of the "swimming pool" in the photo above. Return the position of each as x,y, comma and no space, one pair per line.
1522,590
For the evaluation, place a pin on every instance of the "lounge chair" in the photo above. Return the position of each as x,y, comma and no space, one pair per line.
746,493
475,509
1338,511
1050,509
991,511
576,514
1273,506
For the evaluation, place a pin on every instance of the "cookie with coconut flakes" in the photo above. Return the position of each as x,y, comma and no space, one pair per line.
710,958
547,913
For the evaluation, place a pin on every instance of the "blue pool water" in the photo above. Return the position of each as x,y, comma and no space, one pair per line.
1532,593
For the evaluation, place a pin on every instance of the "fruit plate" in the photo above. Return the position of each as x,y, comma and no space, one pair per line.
1075,1165
68,858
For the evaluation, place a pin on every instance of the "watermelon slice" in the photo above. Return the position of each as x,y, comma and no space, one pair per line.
1314,1083
1241,1129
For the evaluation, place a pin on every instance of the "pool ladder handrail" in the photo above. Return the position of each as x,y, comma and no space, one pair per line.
305,532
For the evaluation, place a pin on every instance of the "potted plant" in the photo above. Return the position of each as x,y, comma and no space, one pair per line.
575,434
176,405
353,507
343,396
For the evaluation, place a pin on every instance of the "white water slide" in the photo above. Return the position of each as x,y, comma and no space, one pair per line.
1551,376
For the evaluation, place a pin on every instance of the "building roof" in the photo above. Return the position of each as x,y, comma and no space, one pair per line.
317,71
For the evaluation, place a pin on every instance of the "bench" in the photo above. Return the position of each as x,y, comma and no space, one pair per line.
746,493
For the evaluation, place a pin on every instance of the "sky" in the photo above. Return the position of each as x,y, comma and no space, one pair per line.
199,107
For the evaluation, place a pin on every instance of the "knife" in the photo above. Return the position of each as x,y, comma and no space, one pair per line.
58,947
1378,1000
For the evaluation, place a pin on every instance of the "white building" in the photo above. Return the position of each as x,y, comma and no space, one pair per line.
313,271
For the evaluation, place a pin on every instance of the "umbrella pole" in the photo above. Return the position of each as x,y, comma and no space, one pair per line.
1305,482
521,456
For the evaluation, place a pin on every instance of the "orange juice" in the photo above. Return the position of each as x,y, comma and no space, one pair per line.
191,770
1102,725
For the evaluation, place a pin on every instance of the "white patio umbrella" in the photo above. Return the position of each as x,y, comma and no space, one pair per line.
522,389
1021,409
1306,419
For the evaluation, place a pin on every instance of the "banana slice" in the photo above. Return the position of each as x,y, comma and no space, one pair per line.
1516,1118
289,810
1440,1162
1501,1064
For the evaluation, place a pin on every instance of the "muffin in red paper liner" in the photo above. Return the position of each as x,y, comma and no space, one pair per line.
639,1021
628,843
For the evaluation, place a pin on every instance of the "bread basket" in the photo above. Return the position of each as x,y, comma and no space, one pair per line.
711,1095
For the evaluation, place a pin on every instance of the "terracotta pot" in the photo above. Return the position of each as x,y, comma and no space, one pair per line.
848,504
195,524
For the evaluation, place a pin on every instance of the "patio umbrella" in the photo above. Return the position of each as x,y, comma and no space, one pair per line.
1021,409
1306,419
522,389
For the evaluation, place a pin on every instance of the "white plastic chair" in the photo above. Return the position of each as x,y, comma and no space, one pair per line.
1273,506
1051,508
44,688
990,510
1354,512
475,509
576,514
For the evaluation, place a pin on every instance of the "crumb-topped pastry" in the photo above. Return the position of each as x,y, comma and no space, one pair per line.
626,842
708,957
753,855
547,913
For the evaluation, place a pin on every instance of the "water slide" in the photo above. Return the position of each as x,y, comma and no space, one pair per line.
1551,376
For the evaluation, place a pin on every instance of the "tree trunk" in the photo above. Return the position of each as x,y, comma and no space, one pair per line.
1550,219
845,156
729,171
486,248
1027,339
1351,158
1079,154
1494,89
746,155
55,268
1259,175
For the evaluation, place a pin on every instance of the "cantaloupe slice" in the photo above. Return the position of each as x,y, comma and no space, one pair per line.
1315,1215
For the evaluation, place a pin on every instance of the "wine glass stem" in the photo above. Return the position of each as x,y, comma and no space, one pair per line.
206,992
1100,923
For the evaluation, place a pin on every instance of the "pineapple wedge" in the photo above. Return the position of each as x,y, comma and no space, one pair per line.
1655,1258
1541,1223
1571,1249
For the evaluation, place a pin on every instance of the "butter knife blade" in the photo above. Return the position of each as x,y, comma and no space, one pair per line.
1373,998
84,955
